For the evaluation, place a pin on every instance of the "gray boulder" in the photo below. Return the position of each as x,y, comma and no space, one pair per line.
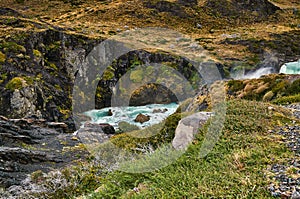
187,128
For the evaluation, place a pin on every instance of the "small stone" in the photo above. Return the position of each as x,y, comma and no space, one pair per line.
271,108
135,189
107,128
295,195
21,56
199,26
271,188
283,188
159,110
284,196
74,138
275,194
3,118
172,46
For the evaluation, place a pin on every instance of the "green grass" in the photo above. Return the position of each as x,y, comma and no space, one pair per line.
287,99
235,168
12,47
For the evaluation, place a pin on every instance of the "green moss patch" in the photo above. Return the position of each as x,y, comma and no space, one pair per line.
2,57
287,99
37,53
11,46
16,83
136,76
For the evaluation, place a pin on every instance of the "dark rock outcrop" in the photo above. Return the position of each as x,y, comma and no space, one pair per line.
147,93
188,2
39,78
152,94
254,10
28,145
169,7
9,12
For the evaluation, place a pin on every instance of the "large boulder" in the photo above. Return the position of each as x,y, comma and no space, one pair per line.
187,128
22,102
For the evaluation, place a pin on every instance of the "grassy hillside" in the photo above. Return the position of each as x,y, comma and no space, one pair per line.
235,33
235,168
238,166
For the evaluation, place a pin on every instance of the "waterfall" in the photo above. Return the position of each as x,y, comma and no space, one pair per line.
252,75
290,68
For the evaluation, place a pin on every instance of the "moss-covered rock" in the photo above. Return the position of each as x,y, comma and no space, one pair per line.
16,83
136,76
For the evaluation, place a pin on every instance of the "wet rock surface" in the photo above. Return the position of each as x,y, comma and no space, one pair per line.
141,118
286,176
28,145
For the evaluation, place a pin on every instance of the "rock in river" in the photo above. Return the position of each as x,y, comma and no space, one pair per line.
141,118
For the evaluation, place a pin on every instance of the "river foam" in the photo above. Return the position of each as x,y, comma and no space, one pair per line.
128,114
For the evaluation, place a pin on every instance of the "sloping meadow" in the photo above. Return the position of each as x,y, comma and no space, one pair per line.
234,168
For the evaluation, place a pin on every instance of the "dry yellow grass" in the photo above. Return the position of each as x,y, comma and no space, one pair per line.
102,18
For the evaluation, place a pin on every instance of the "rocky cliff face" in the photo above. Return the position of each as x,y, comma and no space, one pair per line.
37,73
153,93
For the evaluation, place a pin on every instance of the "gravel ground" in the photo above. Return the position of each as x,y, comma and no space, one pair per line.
296,108
287,176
